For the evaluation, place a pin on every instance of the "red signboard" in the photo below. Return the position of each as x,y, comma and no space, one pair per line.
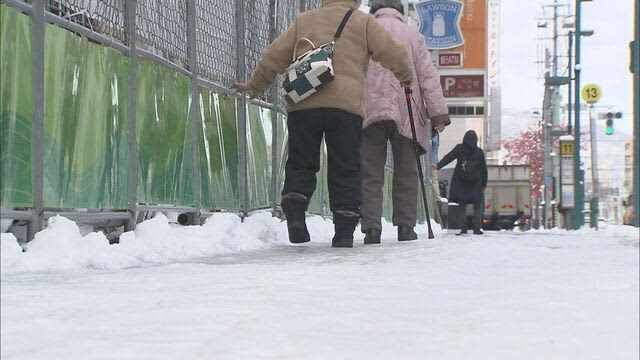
462,86
450,59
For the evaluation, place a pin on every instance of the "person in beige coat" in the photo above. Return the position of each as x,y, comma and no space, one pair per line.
335,112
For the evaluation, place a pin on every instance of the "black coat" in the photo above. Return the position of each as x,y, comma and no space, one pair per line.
463,191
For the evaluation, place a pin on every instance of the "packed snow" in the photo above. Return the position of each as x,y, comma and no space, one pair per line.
233,289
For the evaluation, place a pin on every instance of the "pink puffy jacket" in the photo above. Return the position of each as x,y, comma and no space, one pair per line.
385,98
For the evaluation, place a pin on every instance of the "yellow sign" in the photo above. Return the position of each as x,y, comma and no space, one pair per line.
566,148
591,93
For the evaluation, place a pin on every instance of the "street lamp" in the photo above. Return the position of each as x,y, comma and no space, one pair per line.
578,179
578,67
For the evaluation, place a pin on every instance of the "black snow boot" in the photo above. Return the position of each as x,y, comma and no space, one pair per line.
345,224
372,236
294,205
406,233
478,232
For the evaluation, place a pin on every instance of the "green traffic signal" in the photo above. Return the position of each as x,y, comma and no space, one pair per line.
609,129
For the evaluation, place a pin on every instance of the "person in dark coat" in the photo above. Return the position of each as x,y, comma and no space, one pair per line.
469,177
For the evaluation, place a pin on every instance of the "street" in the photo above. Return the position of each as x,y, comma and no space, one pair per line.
534,295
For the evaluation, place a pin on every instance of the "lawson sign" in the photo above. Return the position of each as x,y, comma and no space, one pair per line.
440,23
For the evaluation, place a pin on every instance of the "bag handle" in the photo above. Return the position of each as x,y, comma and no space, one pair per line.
295,48
342,24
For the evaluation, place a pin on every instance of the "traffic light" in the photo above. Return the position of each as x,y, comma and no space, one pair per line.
609,129
610,116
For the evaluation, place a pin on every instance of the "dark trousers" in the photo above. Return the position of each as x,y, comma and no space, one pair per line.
404,193
476,220
342,131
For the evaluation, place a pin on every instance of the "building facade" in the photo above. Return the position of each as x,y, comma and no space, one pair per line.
463,37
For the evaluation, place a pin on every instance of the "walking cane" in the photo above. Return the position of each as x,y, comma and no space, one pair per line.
407,92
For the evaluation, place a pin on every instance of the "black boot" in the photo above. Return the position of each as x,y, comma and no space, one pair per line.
345,223
406,233
372,236
478,232
294,205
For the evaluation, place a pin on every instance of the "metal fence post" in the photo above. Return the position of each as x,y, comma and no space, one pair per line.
130,26
194,109
37,132
275,169
322,178
242,104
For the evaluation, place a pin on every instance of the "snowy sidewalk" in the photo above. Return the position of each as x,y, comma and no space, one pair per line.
537,295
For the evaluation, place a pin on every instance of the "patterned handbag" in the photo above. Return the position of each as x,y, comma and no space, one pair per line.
312,70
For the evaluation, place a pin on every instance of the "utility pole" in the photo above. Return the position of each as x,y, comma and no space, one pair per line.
555,119
578,217
594,170
570,107
635,65
554,67
547,112
550,117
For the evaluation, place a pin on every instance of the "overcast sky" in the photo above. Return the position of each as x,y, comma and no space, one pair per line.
605,56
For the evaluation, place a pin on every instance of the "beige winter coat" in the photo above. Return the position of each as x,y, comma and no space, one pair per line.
362,39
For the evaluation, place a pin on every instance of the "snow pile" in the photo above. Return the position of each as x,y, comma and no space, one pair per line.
61,245
615,231
157,241
10,251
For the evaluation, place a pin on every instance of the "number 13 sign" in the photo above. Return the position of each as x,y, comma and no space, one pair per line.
591,93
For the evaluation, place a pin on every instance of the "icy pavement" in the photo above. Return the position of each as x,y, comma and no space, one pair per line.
536,295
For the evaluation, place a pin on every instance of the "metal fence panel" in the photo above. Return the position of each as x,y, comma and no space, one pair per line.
162,29
16,103
101,16
312,4
85,140
219,152
216,40
258,156
165,162
286,10
256,32
282,139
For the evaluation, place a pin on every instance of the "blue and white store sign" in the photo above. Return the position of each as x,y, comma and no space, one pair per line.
440,23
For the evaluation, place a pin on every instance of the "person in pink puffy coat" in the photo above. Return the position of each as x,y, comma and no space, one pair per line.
387,120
